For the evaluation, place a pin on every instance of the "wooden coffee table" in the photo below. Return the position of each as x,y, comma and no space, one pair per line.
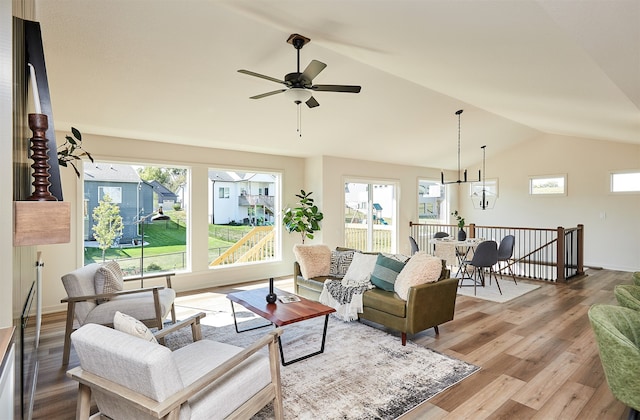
280,314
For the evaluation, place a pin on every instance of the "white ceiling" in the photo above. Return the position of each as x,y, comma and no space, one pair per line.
166,70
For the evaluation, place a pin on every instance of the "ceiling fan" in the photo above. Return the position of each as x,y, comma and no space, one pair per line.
299,86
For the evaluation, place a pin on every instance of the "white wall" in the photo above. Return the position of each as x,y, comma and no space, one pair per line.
612,241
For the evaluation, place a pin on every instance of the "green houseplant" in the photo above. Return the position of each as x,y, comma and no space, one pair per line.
305,218
71,150
462,235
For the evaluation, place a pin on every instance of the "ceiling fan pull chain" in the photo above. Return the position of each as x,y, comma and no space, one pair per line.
299,119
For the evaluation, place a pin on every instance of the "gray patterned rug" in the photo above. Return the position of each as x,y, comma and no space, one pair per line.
364,373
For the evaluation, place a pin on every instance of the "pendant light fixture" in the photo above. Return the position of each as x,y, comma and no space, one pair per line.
459,181
485,199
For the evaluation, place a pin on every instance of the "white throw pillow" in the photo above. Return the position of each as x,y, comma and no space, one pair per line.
360,269
314,260
421,268
130,325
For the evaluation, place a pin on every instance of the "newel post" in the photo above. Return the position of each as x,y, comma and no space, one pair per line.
472,230
560,255
580,249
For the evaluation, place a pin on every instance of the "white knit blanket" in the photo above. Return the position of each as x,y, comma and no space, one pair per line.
345,299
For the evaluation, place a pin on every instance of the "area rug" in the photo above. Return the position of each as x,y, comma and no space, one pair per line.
490,292
364,373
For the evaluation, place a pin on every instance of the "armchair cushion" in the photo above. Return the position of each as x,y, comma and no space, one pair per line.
80,282
130,325
421,268
137,305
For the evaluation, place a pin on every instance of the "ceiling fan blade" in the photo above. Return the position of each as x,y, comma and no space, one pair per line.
312,103
262,76
313,69
336,88
264,95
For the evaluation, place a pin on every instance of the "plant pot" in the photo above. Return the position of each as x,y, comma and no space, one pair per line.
462,235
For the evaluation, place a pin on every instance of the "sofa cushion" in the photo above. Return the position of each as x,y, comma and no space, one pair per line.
385,272
385,301
421,268
314,260
130,325
360,269
340,262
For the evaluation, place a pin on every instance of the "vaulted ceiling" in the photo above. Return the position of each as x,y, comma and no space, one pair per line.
166,70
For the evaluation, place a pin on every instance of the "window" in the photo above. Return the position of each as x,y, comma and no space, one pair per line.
625,182
242,216
150,202
431,201
548,185
370,214
115,193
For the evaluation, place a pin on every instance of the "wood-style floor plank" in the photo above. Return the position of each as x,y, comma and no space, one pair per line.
537,354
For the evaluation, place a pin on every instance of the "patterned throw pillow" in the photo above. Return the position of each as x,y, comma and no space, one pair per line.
340,261
130,325
109,278
385,272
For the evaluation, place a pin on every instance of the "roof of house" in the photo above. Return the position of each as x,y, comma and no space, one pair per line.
112,172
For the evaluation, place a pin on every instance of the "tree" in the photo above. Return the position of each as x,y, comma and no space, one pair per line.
108,223
172,178
305,218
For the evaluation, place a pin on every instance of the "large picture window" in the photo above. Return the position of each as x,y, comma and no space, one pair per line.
150,203
242,214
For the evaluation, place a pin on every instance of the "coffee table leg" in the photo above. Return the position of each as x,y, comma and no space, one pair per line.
324,336
247,329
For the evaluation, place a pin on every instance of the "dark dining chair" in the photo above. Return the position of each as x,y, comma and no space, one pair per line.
505,252
484,257
414,245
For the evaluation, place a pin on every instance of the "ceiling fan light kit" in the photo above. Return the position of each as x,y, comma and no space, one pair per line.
299,85
459,181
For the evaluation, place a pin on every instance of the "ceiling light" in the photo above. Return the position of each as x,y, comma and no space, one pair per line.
459,181
298,95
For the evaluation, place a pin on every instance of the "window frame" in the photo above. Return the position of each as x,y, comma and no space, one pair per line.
533,178
612,175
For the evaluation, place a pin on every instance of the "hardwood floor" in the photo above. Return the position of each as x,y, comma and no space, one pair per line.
538,356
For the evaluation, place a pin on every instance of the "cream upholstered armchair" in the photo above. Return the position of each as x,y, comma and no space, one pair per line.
132,378
96,291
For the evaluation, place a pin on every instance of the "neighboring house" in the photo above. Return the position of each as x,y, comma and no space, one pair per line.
241,197
166,197
122,183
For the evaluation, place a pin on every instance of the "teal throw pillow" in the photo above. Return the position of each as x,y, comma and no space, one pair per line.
385,272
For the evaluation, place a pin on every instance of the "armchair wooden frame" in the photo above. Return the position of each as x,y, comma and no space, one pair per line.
155,322
170,408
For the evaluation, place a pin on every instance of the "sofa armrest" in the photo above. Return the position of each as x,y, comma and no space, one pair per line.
431,304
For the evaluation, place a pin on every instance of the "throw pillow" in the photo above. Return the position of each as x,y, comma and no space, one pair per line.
340,262
130,325
421,268
360,269
314,260
108,278
385,272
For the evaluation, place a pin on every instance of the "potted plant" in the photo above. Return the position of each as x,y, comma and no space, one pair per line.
71,150
462,235
305,218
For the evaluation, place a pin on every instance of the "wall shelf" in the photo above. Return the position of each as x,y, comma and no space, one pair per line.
41,222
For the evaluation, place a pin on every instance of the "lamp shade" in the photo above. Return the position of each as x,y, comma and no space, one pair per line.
298,94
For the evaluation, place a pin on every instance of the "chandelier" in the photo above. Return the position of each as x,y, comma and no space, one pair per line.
459,181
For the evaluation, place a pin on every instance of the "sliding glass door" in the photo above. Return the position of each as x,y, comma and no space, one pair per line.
370,216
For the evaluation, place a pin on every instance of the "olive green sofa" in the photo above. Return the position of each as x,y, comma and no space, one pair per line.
428,305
